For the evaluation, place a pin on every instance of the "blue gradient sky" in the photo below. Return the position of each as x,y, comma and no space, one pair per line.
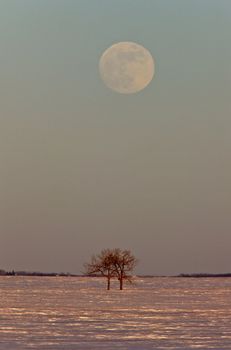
84,168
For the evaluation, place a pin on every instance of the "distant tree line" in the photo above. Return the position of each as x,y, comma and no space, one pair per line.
198,275
35,273
7,273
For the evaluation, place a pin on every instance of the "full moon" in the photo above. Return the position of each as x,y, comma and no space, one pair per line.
126,67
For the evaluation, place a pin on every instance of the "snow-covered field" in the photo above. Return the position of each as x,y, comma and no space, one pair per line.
78,313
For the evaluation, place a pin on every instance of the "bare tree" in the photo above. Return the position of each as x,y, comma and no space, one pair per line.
112,263
102,264
124,263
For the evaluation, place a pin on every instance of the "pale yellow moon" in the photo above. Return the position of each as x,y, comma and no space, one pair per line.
126,67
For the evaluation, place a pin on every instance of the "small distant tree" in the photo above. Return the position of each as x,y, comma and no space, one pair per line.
112,263
102,264
124,263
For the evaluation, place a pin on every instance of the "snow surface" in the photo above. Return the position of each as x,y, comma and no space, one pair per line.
54,313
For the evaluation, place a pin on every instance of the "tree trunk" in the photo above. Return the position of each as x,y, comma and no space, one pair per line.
108,283
121,283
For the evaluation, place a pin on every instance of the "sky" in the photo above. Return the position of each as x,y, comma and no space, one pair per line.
85,168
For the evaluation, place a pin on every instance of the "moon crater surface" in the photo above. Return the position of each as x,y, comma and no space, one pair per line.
126,67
